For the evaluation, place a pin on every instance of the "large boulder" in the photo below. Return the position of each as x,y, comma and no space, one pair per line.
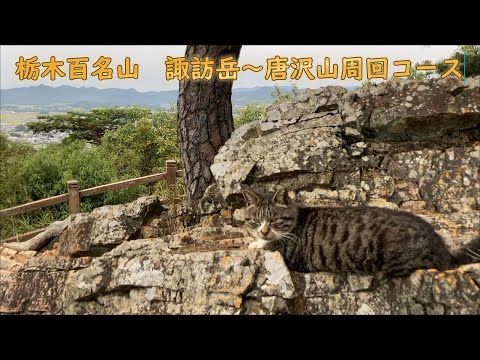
406,145
107,226
420,133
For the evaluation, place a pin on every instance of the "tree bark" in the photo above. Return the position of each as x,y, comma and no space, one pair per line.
205,120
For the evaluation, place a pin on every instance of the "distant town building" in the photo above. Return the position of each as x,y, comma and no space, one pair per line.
22,133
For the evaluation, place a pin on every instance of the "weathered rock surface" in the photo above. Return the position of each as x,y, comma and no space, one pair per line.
106,227
152,276
403,145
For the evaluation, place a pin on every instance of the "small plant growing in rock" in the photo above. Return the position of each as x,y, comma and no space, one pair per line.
278,95
367,83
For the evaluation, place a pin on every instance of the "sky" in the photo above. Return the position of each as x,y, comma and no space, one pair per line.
151,61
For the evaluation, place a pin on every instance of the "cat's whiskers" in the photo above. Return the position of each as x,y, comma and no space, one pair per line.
289,236
349,239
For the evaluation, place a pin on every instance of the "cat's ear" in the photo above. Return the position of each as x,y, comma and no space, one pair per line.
281,198
250,197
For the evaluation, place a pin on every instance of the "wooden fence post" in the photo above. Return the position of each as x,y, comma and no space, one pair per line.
171,174
73,197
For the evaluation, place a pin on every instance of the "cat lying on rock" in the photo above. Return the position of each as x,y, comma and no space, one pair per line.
362,240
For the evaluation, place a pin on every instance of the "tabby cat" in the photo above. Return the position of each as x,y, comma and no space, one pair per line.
362,240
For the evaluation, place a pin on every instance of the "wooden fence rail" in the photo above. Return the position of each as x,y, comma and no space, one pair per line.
74,195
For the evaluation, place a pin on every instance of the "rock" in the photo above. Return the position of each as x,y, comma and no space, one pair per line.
156,276
330,147
50,261
364,309
275,304
383,204
145,277
414,206
352,132
106,227
141,277
148,232
318,284
32,291
278,281
13,260
455,228
239,216
392,117
210,231
359,282
211,202
423,292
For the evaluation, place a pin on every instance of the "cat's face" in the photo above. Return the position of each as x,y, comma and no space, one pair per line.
269,216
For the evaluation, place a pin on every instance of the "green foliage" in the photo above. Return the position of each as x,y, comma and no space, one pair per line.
20,224
46,173
165,124
89,126
136,148
367,83
278,95
295,90
142,147
12,154
473,60
132,148
4,143
118,196
255,111
13,192
169,197
251,112
470,50
423,74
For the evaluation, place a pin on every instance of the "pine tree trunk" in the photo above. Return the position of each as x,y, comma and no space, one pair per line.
205,120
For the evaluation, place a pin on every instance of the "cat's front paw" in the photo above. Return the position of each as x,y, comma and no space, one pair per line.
259,244
254,245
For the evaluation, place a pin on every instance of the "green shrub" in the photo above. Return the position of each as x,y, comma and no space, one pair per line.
249,113
37,219
47,172
473,60
136,148
278,95
141,148
12,155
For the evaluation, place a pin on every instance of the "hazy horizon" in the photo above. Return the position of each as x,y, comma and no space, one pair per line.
115,88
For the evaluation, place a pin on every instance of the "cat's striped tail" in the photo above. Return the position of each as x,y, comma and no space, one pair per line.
470,253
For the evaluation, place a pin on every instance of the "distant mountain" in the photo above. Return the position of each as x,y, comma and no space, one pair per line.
89,97
85,97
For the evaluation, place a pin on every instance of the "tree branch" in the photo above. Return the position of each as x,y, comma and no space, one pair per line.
40,240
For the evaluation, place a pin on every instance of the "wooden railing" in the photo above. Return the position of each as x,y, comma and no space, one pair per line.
74,195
